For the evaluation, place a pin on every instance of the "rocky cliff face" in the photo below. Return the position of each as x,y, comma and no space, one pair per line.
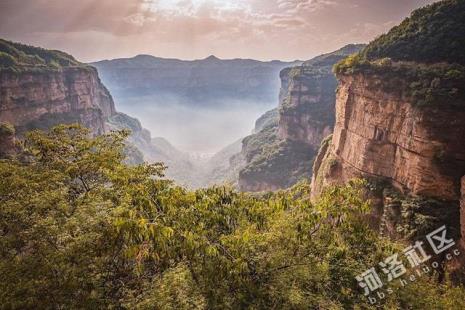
400,125
394,144
40,88
32,99
307,111
380,134
307,98
282,155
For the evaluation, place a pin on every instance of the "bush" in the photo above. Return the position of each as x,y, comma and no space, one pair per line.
6,60
422,57
435,33
6,129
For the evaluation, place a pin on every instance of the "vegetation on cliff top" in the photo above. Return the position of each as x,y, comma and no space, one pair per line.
422,57
422,84
18,57
435,33
80,229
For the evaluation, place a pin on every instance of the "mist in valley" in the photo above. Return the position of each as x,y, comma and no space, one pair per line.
202,109
200,130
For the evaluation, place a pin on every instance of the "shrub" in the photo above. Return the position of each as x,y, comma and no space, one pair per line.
6,60
6,129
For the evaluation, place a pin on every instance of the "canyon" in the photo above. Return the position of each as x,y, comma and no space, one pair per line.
42,88
281,154
200,106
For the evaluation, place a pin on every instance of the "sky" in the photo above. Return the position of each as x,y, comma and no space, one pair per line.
93,30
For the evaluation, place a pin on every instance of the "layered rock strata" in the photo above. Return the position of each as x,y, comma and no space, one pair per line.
41,99
381,134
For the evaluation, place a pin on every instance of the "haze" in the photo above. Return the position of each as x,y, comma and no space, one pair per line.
199,130
193,29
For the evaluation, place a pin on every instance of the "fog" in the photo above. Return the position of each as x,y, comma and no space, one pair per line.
196,129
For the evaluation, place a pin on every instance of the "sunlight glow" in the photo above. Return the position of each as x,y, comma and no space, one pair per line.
183,5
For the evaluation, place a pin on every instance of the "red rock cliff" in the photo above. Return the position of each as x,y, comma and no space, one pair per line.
40,99
419,150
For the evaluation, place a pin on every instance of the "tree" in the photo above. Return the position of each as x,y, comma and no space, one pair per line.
80,229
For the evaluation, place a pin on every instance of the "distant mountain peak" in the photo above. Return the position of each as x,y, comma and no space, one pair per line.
212,58
144,56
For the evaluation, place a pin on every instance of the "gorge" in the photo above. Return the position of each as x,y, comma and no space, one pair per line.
158,183
280,154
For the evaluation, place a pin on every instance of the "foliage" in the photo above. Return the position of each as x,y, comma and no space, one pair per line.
6,129
284,163
431,34
270,159
80,229
16,56
423,85
261,143
6,60
268,119
422,57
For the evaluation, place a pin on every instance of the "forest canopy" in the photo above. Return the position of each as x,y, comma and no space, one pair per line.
19,56
431,34
81,229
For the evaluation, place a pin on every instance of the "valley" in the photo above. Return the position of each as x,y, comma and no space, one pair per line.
202,107
147,182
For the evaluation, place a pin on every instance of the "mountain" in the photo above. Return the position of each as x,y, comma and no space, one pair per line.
198,82
282,151
41,88
400,123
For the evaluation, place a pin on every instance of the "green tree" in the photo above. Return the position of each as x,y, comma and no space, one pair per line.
79,229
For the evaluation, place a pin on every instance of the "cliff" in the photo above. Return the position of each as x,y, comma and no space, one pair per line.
270,117
43,99
281,154
400,123
382,134
41,88
307,97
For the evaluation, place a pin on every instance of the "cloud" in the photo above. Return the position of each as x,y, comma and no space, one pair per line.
264,29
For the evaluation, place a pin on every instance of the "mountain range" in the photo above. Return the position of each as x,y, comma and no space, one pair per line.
197,82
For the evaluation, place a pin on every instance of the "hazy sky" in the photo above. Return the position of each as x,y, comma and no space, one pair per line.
192,29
